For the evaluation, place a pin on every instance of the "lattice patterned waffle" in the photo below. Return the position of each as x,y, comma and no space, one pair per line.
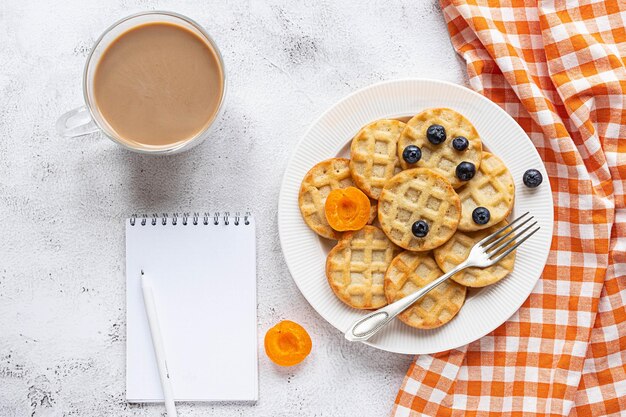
408,272
492,187
356,267
419,194
373,155
443,158
457,249
317,184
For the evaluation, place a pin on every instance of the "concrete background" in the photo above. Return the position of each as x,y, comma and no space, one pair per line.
63,201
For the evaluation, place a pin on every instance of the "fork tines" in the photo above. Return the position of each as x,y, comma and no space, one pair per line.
488,242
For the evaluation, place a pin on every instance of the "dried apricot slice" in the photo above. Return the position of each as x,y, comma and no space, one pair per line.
287,343
347,209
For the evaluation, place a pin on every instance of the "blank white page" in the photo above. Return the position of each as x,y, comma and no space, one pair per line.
204,283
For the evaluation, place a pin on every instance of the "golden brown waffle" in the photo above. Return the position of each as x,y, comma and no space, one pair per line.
356,267
324,177
457,249
373,155
443,157
410,271
419,194
373,211
492,187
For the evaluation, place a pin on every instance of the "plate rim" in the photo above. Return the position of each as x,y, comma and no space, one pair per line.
362,90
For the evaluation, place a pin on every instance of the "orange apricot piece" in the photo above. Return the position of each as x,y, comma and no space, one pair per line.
287,343
347,209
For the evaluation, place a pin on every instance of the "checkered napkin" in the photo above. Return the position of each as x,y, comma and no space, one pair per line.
559,68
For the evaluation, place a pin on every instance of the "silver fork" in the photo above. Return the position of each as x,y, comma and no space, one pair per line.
484,254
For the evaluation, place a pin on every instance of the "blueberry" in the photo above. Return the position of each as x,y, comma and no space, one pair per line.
436,134
411,154
465,171
420,228
460,143
481,215
532,178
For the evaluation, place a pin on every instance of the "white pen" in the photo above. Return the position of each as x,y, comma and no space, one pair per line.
157,342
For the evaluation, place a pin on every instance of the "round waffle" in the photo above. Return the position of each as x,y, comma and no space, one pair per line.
324,177
443,158
410,271
492,187
356,267
419,194
373,155
457,249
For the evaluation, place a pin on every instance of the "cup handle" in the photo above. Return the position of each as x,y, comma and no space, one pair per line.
77,122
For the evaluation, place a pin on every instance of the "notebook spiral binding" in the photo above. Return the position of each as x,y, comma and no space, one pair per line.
195,218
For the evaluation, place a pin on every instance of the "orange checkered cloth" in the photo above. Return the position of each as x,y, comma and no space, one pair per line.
559,68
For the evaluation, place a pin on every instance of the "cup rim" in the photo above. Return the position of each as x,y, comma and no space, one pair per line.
200,135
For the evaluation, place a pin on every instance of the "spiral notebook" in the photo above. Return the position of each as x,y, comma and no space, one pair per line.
203,272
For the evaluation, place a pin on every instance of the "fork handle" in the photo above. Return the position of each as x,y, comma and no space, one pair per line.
369,325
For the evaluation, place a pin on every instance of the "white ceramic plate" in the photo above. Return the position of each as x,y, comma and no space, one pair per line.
305,252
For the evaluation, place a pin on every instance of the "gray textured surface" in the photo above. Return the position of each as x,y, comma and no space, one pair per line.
63,201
